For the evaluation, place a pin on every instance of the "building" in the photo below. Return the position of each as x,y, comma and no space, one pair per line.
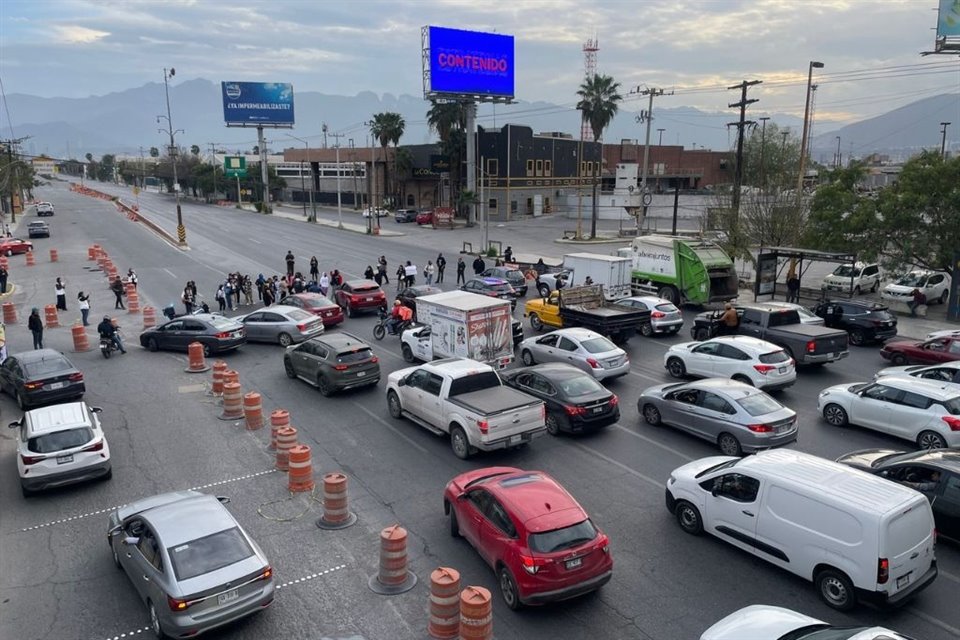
301,167
673,166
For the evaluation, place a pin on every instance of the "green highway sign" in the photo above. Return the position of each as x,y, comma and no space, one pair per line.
235,166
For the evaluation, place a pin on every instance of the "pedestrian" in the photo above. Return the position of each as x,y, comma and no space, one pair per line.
324,283
188,298
410,273
290,260
260,281
508,254
84,302
540,267
461,267
117,288
193,289
479,265
61,292
336,279
382,265
219,297
919,298
793,287
369,274
401,277
441,265
428,272
268,295
729,320
228,293
4,274
314,268
3,342
247,291
35,324
236,290
132,278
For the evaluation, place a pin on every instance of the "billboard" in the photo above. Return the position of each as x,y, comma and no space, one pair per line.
257,103
948,19
469,63
766,283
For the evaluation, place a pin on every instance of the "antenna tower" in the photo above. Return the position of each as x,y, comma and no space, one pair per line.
590,48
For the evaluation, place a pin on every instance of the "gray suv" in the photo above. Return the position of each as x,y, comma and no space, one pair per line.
333,362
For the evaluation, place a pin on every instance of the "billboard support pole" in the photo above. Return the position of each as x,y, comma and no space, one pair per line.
239,195
262,146
471,113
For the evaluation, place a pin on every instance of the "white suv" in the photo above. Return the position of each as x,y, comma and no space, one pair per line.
60,444
764,621
743,358
934,284
853,277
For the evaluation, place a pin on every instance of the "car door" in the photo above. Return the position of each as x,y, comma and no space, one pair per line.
423,347
253,323
470,518
167,336
412,392
9,374
545,348
732,507
272,325
306,359
568,351
703,359
873,407
679,409
142,559
908,414
946,505
715,416
935,287
430,405
192,331
497,532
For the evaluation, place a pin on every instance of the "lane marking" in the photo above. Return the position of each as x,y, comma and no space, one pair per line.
129,634
950,576
646,377
935,622
377,418
114,508
171,273
620,465
311,576
254,240
654,442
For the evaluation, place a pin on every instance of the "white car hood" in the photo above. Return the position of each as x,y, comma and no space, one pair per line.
691,469
758,621
898,289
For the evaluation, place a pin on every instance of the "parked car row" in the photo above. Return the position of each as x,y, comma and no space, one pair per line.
866,277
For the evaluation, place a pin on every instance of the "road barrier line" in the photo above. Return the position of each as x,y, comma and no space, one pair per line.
620,465
290,583
654,442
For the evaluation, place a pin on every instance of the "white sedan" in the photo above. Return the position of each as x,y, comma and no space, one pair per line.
380,212
948,372
760,621
750,360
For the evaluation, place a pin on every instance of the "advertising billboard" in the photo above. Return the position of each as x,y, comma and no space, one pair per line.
948,21
469,63
766,283
257,103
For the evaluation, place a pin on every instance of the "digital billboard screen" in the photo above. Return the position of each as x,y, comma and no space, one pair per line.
257,103
471,63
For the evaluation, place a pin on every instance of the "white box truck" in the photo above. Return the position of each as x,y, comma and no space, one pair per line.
613,273
459,324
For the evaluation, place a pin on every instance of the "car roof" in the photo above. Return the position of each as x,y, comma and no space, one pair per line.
341,341
38,355
58,417
931,388
866,304
361,283
578,332
532,495
747,342
731,388
192,517
283,309
557,371
948,459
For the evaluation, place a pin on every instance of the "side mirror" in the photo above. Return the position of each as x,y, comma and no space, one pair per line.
96,410
15,425
402,382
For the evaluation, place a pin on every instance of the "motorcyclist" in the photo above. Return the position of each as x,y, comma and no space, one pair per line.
396,317
108,331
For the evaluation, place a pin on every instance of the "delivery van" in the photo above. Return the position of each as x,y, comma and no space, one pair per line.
856,536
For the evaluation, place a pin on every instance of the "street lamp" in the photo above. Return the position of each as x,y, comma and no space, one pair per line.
806,125
181,230
313,205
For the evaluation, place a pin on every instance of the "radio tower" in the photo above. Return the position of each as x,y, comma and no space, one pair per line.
590,48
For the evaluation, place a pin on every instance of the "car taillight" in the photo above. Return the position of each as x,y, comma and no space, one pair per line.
96,446
604,543
760,428
764,368
883,570
302,327
76,377
614,400
543,411
222,335
176,604
30,386
952,422
657,314
574,411
593,363
374,359
811,346
341,367
267,574
532,564
484,426
29,460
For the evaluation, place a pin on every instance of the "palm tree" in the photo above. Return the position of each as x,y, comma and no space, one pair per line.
449,120
597,105
388,127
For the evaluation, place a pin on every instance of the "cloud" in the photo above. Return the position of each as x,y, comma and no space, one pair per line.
75,34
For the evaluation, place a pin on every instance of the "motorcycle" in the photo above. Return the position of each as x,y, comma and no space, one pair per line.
107,346
380,329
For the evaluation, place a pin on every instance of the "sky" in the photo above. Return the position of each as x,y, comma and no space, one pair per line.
870,48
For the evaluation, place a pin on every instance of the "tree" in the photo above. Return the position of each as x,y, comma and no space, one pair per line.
154,152
105,167
598,104
194,149
387,127
449,120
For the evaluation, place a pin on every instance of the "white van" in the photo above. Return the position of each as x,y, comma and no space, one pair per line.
853,534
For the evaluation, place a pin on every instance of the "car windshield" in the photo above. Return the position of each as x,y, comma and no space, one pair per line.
474,382
203,555
565,538
718,467
514,274
299,314
224,324
60,440
759,404
580,386
46,367
775,357
351,357
598,345
846,271
880,314
912,280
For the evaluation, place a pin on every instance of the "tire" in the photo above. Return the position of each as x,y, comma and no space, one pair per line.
106,352
152,344
155,622
535,322
527,358
407,353
206,350
288,368
688,517
454,525
676,368
742,378
669,292
729,445
835,415
459,443
555,424
27,493
508,589
542,289
651,415
944,297
701,334
21,403
835,589
856,337
646,329
898,359
876,285
9,253
379,331
324,387
284,339
349,311
393,405
931,440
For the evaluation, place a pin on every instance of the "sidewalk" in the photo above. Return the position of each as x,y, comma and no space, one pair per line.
282,210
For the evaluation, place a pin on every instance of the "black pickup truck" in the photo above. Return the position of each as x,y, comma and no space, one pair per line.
805,343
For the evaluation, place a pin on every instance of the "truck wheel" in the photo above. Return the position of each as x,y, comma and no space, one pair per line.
408,353
676,368
535,322
670,293
543,290
393,405
835,589
459,443
701,334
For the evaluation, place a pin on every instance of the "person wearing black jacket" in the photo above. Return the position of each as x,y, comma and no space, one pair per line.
441,265
117,288
461,267
479,265
35,324
290,260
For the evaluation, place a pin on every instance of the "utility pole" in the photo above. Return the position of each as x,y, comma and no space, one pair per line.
837,165
172,152
648,116
13,175
763,148
353,170
213,159
337,137
371,176
741,126
943,139
324,129
660,142
806,127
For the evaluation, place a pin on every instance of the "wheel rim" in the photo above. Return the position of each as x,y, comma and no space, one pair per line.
930,440
206,350
288,367
407,353
458,441
834,591
154,621
688,518
324,385
394,405
285,340
646,330
507,589
677,369
834,415
651,414
535,322
856,338
899,360
527,357
552,427
729,445
378,332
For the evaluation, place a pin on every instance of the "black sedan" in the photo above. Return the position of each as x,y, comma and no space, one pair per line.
215,332
575,401
935,473
513,276
493,288
38,377
408,297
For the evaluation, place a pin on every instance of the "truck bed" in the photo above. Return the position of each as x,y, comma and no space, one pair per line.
492,401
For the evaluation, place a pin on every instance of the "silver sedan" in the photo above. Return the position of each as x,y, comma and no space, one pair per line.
582,348
281,324
190,562
665,317
737,417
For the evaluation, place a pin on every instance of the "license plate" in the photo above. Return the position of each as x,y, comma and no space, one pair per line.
57,385
573,564
903,581
781,369
783,428
360,374
369,299
516,439
224,598
66,459
598,409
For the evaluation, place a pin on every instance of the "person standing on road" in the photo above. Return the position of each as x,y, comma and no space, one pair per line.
132,278
401,277
382,266
441,265
84,302
793,288
188,298
410,273
260,281
919,298
117,288
428,272
61,292
324,283
228,293
461,267
35,324
219,297
268,296
479,265
508,254
314,268
247,290
3,279
290,260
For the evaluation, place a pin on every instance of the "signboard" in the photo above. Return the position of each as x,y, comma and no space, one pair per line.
652,259
443,216
257,103
235,166
766,283
439,163
468,63
948,19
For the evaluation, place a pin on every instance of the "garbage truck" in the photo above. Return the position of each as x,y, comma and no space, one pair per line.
682,270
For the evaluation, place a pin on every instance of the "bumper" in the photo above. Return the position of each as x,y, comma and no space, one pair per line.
302,336
43,396
768,443
355,382
39,234
52,480
185,626
884,599
821,358
335,319
221,346
371,305
580,425
777,385
510,441
566,593
885,334
666,327
613,372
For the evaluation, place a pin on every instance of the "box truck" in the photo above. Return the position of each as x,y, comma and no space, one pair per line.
613,273
683,270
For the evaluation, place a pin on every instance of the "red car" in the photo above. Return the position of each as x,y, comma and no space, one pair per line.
935,351
319,305
10,246
360,295
425,217
538,539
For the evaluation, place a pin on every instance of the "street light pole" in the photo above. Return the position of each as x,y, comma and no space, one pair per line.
660,142
943,139
181,230
313,206
806,126
763,146
837,165
337,136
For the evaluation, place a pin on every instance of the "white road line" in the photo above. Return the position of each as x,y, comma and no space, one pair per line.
390,427
130,634
935,622
620,465
949,576
254,241
311,576
171,273
653,442
645,376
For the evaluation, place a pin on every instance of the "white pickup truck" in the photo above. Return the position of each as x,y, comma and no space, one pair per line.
467,400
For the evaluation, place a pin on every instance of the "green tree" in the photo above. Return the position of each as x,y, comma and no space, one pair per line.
449,120
599,103
387,127
105,167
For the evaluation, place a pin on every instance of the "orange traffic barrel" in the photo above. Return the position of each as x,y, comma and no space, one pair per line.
50,316
476,614
336,514
80,342
253,411
229,375
300,472
53,255
4,262
30,259
197,363
149,317
219,368
444,603
279,418
92,252
232,402
133,302
9,313
286,440
393,577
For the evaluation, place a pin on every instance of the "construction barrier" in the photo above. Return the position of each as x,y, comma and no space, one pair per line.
279,419
444,621
31,260
53,255
9,313
50,316
286,440
232,401
229,375
219,368
300,469
393,576
476,614
196,362
149,317
253,411
101,258
336,514
4,262
80,342
92,252
133,302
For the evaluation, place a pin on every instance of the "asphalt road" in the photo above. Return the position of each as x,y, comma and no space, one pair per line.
56,576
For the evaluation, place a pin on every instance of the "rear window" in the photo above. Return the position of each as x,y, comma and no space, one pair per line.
368,289
46,367
952,406
775,357
598,345
300,314
515,274
203,555
501,286
759,404
352,357
60,440
781,318
667,308
474,382
560,539
224,324
880,314
580,386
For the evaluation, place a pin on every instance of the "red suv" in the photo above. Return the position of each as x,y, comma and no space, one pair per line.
360,295
425,217
537,538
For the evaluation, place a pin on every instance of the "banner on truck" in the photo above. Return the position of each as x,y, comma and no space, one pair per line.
652,259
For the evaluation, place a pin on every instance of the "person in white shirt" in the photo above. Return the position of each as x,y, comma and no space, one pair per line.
61,291
84,302
428,272
410,273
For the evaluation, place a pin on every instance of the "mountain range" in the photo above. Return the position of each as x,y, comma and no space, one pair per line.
123,122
